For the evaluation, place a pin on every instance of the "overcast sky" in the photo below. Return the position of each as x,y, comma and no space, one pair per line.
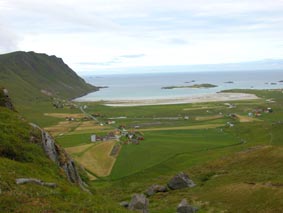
94,35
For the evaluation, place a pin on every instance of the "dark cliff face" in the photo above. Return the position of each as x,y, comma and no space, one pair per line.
5,100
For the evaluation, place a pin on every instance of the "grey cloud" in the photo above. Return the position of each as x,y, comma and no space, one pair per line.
33,16
94,16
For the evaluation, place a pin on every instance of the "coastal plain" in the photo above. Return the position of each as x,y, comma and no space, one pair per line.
217,142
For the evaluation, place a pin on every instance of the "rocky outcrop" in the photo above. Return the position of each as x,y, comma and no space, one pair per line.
139,203
184,207
180,181
60,157
5,99
155,189
35,181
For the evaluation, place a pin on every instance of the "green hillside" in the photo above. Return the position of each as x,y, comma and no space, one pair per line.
30,76
233,154
21,156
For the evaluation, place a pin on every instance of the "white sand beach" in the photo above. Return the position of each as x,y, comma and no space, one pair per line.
190,99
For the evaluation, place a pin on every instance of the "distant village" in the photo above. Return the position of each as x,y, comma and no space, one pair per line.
122,135
252,114
134,136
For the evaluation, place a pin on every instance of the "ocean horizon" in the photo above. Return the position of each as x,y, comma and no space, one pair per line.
149,85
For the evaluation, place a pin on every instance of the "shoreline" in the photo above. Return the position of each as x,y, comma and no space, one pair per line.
217,97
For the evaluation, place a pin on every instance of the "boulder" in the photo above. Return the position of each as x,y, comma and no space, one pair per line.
184,207
139,203
180,181
155,189
5,99
35,181
124,204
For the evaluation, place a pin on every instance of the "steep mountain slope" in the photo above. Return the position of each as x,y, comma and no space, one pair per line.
31,76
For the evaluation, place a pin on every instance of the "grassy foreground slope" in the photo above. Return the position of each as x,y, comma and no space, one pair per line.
30,76
22,157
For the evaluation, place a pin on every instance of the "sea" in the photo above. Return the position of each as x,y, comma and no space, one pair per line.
149,85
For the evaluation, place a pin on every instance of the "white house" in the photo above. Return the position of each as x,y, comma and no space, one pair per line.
93,138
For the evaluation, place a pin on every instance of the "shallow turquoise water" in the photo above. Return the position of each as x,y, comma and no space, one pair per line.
148,86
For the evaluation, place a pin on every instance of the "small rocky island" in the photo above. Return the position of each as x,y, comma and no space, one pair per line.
195,86
229,82
188,82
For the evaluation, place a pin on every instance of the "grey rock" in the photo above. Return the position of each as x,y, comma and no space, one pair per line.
6,100
124,204
35,181
184,207
155,189
139,203
180,181
5,92
60,157
49,147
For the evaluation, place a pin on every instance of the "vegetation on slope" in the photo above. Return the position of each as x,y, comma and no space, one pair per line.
22,157
31,76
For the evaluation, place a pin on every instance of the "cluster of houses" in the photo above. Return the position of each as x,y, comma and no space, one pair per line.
110,122
77,119
109,136
126,137
230,106
60,104
230,124
130,137
258,112
254,113
133,137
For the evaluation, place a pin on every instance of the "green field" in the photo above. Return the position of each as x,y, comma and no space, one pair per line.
73,140
160,146
168,135
236,169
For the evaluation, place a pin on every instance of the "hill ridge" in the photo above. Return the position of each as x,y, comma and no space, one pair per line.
30,75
